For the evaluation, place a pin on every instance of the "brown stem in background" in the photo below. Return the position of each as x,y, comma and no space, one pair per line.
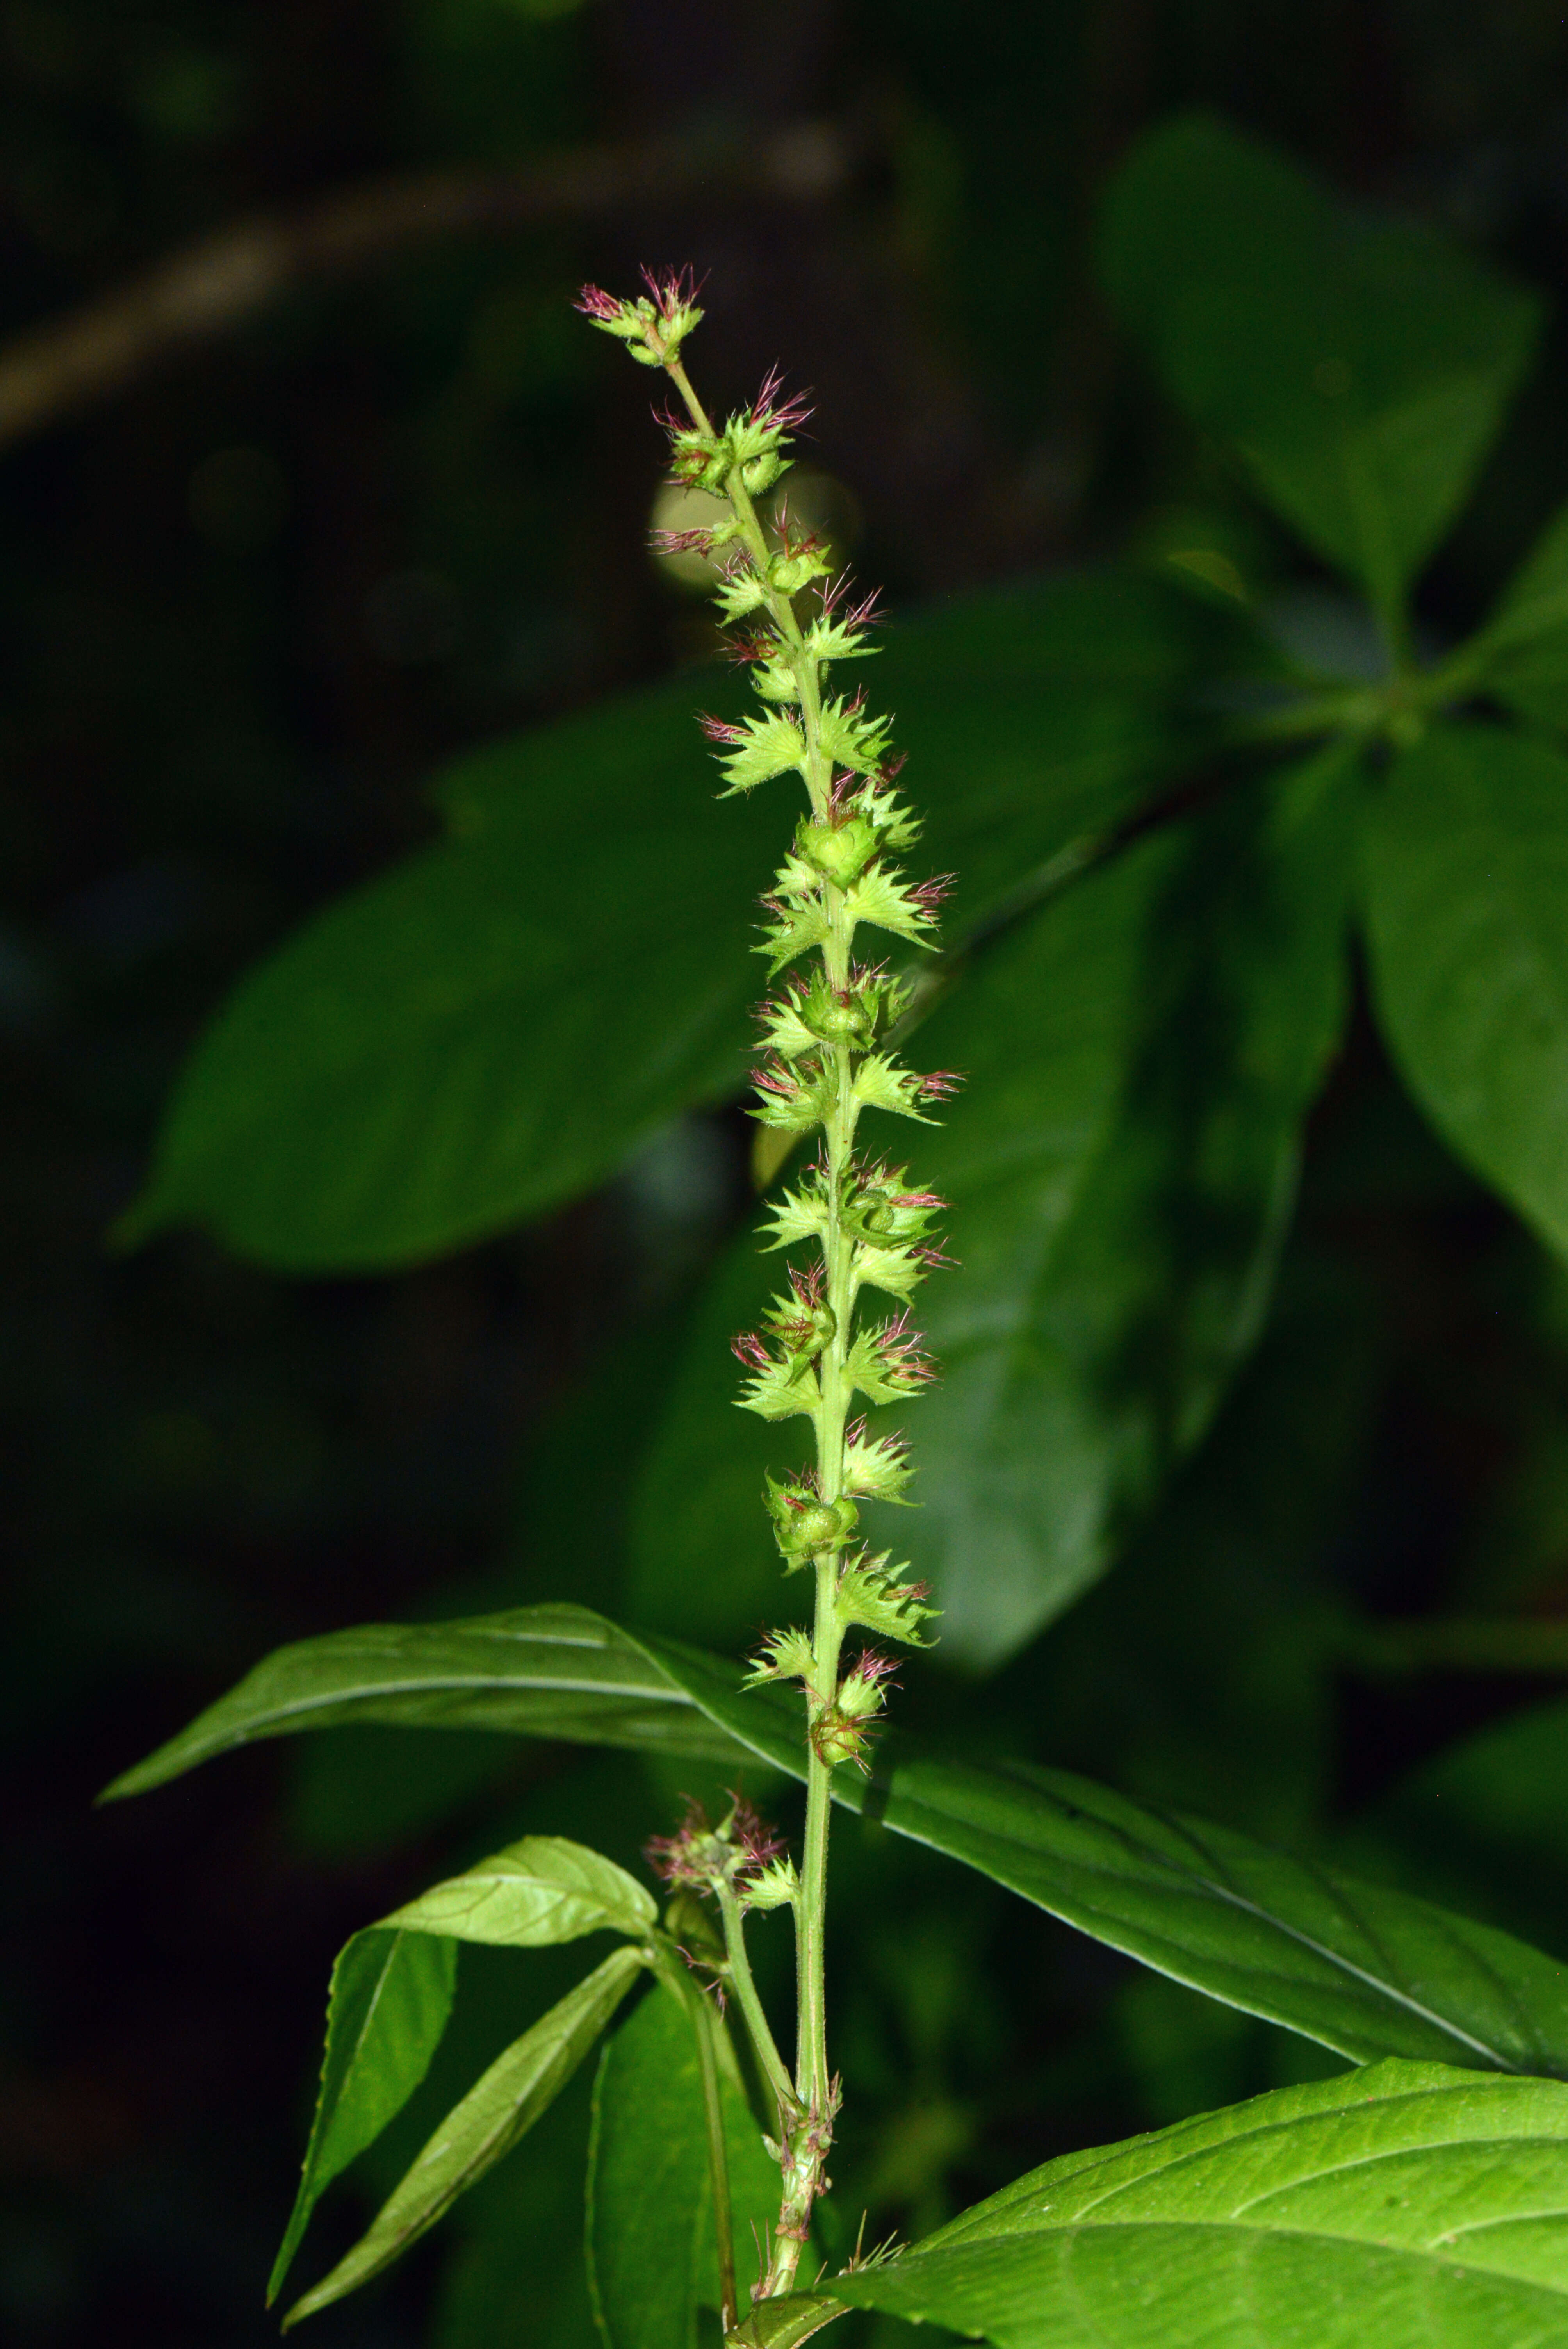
218,284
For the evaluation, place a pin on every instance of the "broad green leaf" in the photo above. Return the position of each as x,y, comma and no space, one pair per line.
1360,365
1410,2205
651,2263
1365,1971
498,2110
499,1021
390,1996
539,1672
1466,882
1121,1166
540,1891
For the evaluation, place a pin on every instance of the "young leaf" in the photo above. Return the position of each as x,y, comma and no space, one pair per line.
408,1074
390,1996
540,1891
540,1672
1467,878
651,2256
498,2110
1360,365
1410,2206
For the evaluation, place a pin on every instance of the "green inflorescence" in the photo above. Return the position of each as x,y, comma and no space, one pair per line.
828,1055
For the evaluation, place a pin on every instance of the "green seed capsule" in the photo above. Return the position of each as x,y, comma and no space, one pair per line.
842,852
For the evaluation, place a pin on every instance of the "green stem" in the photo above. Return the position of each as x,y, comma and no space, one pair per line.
773,2066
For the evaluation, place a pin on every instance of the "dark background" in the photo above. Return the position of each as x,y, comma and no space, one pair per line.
255,586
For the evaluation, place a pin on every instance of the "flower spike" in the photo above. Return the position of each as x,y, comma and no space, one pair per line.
830,1030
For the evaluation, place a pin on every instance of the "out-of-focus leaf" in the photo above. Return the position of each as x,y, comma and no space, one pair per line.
1359,364
1521,654
652,2262
390,1996
537,1891
364,1791
1411,2205
1121,1164
499,1021
496,2113
540,1671
1467,870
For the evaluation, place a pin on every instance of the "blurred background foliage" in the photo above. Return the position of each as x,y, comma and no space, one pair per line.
259,583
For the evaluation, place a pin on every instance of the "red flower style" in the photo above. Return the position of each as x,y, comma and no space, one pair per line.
594,303
776,414
677,289
903,1354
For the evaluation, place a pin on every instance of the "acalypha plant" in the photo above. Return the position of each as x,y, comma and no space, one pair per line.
1418,2198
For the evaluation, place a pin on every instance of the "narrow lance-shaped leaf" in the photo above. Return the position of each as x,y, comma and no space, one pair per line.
1361,1969
391,1997
1410,2206
542,1889
1467,884
1366,1970
542,1672
498,2110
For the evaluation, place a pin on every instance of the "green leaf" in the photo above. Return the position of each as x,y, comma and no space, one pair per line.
498,2110
1410,2205
785,2322
1121,1166
539,1672
651,2258
1359,364
499,1022
1467,879
519,2245
1363,1970
1521,654
537,1891
390,1996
